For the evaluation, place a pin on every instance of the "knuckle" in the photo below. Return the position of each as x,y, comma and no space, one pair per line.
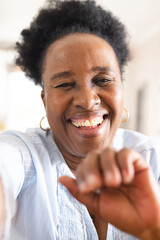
125,155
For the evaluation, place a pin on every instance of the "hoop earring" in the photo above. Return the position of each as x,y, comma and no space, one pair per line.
125,119
40,124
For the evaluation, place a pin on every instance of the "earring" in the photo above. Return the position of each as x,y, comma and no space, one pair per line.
46,122
125,116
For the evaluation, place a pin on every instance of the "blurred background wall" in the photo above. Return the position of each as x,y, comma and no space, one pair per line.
20,103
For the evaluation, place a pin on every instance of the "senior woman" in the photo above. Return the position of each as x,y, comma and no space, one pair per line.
77,51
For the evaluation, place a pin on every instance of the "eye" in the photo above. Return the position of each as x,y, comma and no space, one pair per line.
103,81
65,85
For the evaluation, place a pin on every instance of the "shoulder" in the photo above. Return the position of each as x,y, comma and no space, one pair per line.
18,139
27,150
148,147
34,145
135,140
29,146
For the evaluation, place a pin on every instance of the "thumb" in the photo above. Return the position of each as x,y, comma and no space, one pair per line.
70,184
89,199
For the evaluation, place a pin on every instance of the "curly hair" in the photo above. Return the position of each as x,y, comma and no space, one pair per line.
60,18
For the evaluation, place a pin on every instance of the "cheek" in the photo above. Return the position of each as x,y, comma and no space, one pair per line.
114,99
119,100
119,105
55,108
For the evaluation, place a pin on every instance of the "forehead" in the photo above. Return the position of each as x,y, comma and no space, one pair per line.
77,51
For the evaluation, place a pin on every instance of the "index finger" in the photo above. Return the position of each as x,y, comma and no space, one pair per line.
88,174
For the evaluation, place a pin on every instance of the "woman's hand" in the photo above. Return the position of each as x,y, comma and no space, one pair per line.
119,187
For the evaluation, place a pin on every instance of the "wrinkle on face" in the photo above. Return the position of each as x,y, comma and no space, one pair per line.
79,59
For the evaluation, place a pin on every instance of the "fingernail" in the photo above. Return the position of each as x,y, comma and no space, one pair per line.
109,177
112,180
83,187
91,180
127,178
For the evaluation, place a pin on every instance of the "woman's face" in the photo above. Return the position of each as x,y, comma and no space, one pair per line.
83,94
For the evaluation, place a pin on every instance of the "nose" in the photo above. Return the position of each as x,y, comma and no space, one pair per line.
86,98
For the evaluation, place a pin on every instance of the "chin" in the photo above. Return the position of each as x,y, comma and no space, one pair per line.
91,146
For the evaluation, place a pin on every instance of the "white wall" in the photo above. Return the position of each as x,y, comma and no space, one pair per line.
5,59
143,74
20,102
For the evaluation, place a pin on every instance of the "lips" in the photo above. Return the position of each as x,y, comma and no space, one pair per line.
88,125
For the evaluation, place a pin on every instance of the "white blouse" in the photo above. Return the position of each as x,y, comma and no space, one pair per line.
39,206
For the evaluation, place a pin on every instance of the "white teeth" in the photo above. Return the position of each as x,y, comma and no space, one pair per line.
82,124
92,122
88,123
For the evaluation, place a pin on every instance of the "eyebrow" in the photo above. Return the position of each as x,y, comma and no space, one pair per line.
99,68
61,74
69,73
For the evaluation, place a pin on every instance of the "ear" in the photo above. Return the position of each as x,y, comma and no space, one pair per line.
43,98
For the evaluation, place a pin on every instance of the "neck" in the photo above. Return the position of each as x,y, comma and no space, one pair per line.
72,160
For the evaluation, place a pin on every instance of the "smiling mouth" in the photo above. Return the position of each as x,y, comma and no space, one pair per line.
88,123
